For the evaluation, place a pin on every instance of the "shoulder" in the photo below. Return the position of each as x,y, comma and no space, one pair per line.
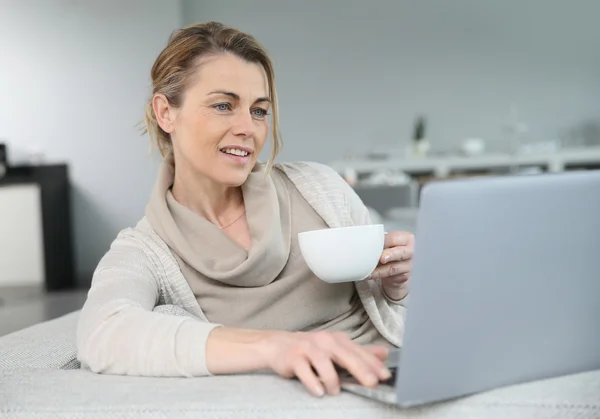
318,182
136,248
306,167
305,172
140,237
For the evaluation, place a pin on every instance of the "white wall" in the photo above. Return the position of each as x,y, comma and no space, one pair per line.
355,73
74,75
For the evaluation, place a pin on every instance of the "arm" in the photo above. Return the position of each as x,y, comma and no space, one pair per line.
119,334
308,356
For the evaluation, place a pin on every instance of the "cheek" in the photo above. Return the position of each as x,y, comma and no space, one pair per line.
262,131
203,130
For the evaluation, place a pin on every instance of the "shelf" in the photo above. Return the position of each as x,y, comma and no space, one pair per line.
444,166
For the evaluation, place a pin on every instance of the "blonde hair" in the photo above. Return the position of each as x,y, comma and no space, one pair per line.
174,69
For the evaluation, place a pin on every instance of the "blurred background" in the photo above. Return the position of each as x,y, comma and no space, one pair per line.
391,93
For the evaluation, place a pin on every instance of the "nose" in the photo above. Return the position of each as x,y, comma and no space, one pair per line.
244,125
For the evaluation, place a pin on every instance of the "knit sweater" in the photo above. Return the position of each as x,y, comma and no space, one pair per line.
118,333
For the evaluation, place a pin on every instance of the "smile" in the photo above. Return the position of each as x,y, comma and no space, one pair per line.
235,152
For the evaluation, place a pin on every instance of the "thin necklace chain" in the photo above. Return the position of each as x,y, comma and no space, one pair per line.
233,222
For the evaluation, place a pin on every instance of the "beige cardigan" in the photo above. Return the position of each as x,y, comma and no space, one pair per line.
118,331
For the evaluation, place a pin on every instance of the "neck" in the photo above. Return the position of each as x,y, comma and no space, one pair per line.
215,202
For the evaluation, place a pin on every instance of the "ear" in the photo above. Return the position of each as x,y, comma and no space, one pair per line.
165,114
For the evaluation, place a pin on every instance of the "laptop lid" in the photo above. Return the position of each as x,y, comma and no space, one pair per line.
505,285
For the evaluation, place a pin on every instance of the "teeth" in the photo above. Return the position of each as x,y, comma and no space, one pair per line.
236,152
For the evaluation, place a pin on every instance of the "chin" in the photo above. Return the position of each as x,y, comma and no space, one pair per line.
232,179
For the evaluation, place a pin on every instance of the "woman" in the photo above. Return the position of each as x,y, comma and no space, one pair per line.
219,243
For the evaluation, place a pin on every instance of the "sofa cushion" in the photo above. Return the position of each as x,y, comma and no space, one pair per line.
30,393
32,385
46,345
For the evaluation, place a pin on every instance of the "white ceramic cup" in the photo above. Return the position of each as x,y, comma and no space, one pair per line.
342,254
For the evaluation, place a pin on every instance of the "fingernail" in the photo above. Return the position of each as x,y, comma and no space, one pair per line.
385,373
386,259
319,392
371,380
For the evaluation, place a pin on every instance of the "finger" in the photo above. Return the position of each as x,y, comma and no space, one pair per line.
397,280
306,375
398,238
392,269
326,372
380,352
355,365
374,363
398,253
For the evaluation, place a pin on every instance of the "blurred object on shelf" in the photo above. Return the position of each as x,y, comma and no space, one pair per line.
386,177
377,154
539,148
515,129
384,150
421,144
472,147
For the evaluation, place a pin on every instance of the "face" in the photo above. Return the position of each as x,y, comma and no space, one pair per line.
221,127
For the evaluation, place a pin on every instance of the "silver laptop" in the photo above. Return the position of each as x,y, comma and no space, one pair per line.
505,287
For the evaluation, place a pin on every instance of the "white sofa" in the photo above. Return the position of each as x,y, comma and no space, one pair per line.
40,378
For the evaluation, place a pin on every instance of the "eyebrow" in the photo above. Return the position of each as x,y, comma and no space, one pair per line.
235,96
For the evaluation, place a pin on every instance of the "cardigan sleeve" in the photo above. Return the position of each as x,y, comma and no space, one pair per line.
118,333
360,215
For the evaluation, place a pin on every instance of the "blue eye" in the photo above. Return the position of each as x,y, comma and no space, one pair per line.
259,113
222,107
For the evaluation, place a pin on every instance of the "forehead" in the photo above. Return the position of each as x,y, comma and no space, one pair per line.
228,72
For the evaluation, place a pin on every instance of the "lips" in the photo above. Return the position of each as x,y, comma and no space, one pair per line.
236,150
237,155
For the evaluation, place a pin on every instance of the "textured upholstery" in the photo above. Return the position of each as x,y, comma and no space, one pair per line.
37,380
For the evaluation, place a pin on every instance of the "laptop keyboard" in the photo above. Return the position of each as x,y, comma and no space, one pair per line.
392,363
392,380
347,378
385,392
